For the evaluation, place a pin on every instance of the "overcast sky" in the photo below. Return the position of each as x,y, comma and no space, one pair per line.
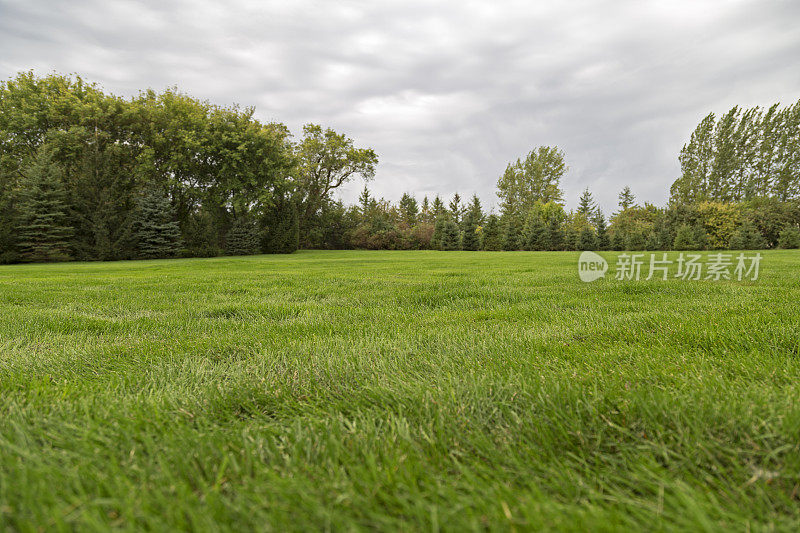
447,92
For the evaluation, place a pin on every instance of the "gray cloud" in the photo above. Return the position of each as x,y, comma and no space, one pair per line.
446,92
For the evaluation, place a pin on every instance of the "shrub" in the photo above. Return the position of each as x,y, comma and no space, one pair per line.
789,237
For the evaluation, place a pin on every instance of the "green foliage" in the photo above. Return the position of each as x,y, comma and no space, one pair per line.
492,234
744,155
326,160
450,236
587,240
537,177
470,240
626,199
789,238
603,239
535,232
747,237
156,233
512,235
281,228
243,238
685,239
44,230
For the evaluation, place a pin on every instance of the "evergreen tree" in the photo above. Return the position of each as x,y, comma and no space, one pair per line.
586,240
281,232
450,236
637,240
571,238
618,241
438,233
44,231
555,235
242,238
700,237
586,204
512,235
475,210
685,238
492,234
535,233
409,210
747,237
789,238
626,199
603,240
155,231
470,240
364,200
456,210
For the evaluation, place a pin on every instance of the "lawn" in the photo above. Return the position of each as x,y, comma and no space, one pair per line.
396,390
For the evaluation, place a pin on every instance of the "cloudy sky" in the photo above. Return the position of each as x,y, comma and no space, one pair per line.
446,92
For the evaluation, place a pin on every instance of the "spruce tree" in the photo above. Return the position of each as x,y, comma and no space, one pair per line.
618,241
155,231
535,234
438,233
555,235
242,238
44,231
450,236
586,240
492,235
603,240
511,237
470,240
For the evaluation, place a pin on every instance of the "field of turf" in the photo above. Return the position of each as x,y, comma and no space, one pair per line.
396,390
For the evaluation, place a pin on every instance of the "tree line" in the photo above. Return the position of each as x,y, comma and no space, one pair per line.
85,175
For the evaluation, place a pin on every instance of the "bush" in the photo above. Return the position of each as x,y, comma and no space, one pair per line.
685,239
747,237
789,238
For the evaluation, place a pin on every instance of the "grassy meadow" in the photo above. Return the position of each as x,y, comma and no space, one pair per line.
417,391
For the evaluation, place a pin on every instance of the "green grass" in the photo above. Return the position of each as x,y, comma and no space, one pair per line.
396,390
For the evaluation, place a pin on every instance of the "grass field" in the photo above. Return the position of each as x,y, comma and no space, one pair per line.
396,390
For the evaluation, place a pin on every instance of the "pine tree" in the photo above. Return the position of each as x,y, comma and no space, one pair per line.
155,230
242,238
586,240
555,235
535,233
281,233
44,232
617,241
603,241
456,209
438,233
450,236
492,236
685,238
586,205
626,199
409,210
511,237
470,240
363,203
